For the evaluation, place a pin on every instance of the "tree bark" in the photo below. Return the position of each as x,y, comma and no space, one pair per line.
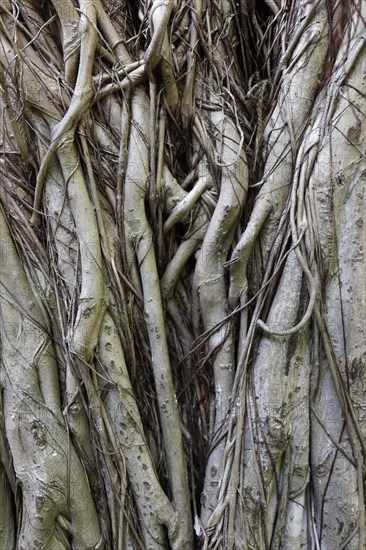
182,275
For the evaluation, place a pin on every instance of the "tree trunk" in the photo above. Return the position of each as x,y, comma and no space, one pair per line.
182,276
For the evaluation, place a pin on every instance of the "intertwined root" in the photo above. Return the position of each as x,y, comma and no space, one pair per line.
182,224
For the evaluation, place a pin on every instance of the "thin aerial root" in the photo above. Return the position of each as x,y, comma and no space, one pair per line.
302,324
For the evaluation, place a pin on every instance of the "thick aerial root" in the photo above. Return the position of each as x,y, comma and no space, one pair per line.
45,463
213,293
69,19
140,233
154,508
92,300
282,132
81,98
159,15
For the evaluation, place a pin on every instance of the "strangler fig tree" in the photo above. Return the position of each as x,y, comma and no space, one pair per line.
182,274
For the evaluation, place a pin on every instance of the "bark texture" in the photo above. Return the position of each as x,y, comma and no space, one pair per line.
182,275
